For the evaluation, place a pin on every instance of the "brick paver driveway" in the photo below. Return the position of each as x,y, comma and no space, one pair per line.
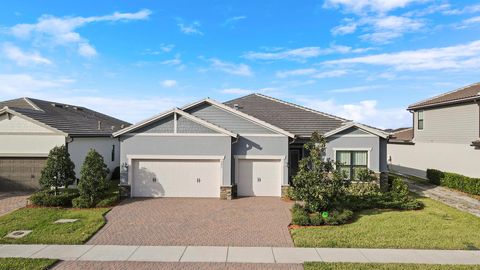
259,221
10,201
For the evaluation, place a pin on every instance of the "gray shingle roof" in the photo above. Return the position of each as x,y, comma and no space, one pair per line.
403,135
296,119
71,119
463,94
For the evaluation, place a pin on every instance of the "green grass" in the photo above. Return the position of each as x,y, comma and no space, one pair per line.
27,264
437,226
40,220
384,266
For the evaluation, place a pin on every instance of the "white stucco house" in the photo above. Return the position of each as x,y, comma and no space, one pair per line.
30,128
445,135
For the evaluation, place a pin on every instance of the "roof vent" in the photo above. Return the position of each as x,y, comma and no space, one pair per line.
235,106
122,126
99,125
78,108
57,105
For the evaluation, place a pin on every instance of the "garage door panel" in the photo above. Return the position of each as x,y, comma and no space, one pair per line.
259,177
20,173
176,178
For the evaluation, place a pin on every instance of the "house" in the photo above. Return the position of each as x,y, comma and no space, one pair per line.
445,135
30,128
250,146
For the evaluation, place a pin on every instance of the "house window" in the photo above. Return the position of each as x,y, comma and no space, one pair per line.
113,152
420,120
352,162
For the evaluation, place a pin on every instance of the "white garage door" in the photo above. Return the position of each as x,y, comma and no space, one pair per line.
176,178
259,177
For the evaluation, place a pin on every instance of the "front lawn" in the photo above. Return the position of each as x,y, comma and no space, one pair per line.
41,221
384,266
437,226
27,264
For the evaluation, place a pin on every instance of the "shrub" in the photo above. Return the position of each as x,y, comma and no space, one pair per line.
316,219
338,217
93,182
398,198
81,202
317,183
434,176
109,200
461,182
58,171
300,218
289,194
366,175
47,198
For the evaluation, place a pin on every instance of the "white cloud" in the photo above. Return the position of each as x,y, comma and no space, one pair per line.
86,50
231,68
314,73
362,6
167,47
469,22
344,29
19,84
62,31
301,54
355,89
464,56
296,72
330,74
190,29
233,20
169,83
22,58
365,111
236,91
465,10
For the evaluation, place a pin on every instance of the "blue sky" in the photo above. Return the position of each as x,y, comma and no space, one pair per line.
365,60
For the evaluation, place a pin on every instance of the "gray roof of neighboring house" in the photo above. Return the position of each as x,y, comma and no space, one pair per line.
71,119
296,119
464,94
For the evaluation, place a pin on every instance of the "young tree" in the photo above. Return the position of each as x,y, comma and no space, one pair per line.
93,177
317,183
59,170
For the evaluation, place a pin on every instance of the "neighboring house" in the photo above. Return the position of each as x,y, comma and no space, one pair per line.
445,135
249,146
30,128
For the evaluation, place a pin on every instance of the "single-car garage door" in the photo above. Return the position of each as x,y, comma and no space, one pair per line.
176,178
20,173
259,177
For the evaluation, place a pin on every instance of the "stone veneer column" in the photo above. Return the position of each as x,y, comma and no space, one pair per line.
228,192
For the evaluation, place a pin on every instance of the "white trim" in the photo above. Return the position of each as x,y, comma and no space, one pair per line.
132,158
369,151
175,123
417,118
176,134
354,135
258,157
301,107
32,104
377,132
205,123
260,135
242,115
174,112
10,111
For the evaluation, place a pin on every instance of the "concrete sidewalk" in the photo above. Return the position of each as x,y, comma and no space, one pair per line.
237,254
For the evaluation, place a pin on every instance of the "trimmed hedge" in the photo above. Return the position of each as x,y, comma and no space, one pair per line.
434,176
47,198
455,181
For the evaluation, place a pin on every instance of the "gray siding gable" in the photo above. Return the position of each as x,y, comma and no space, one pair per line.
227,120
164,125
185,125
353,131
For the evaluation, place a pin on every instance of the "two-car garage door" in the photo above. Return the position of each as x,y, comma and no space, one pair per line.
176,178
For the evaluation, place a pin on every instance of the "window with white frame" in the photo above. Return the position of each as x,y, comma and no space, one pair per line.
352,162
